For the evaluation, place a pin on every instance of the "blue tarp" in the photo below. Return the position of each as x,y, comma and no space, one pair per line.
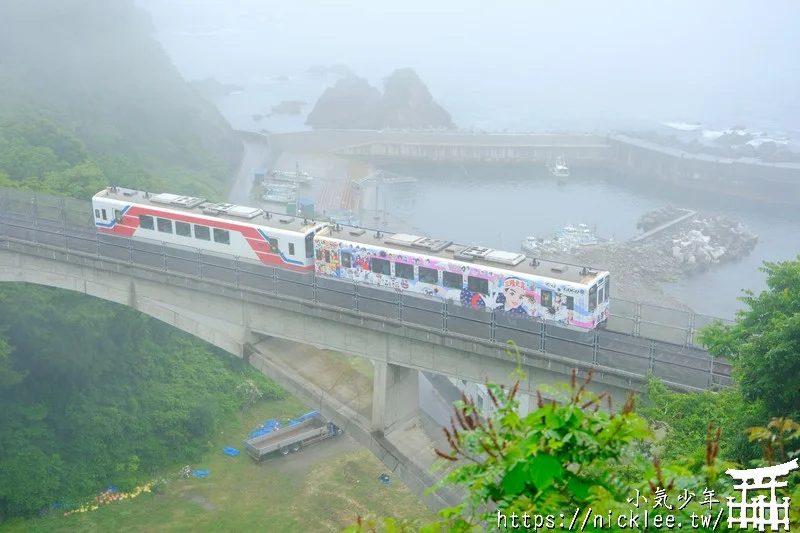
385,479
233,452
306,416
201,473
112,488
259,432
268,427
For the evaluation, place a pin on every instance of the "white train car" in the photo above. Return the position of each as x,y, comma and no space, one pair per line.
276,240
477,277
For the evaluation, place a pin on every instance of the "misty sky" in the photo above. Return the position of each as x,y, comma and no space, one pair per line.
701,59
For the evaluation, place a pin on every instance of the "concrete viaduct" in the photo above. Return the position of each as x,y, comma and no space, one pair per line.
251,311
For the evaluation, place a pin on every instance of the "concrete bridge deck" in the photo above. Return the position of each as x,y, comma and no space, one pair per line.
250,308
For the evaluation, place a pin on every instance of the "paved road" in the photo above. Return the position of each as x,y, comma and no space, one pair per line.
255,156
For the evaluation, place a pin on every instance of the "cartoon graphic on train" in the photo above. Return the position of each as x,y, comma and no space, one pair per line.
487,288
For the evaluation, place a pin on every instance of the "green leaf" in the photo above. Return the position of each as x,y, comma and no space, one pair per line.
543,469
578,488
515,479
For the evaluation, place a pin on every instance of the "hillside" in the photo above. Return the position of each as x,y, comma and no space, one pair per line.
93,393
94,68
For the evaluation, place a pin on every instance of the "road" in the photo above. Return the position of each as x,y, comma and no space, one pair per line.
436,401
255,156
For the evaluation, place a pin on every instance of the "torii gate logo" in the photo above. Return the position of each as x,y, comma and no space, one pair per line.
760,513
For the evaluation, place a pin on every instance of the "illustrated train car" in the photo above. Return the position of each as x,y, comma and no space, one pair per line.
275,240
477,277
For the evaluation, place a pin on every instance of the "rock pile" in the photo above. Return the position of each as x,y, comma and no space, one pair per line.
637,268
709,241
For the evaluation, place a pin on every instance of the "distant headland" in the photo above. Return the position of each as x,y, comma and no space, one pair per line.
406,103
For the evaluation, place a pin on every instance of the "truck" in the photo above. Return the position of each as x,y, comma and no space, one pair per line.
305,431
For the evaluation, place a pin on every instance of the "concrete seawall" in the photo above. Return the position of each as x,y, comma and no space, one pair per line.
777,184
665,226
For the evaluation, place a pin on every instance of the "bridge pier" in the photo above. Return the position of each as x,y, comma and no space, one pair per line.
395,396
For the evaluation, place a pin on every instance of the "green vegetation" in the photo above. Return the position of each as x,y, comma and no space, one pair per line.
96,394
574,455
94,68
765,342
322,489
93,393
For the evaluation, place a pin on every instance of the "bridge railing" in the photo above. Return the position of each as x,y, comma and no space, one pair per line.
640,338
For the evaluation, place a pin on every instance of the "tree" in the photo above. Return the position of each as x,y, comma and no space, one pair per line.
681,419
559,458
764,343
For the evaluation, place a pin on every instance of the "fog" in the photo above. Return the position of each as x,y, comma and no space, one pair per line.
586,61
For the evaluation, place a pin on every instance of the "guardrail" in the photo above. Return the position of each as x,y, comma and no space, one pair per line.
637,340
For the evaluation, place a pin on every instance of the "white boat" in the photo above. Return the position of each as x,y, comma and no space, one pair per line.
564,240
281,186
278,198
559,169
294,177
530,246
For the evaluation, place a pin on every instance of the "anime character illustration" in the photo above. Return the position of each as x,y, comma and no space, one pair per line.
511,300
513,297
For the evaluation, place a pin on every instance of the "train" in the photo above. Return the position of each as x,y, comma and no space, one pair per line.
476,277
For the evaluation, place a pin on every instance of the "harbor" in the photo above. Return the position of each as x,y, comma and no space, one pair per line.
478,200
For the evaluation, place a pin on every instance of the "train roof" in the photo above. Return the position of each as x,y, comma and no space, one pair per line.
477,255
221,211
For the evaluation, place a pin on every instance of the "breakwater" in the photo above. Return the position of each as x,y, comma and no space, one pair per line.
635,159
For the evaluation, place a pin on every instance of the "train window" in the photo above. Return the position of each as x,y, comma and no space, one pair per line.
380,266
327,256
319,256
146,222
404,271
608,287
291,248
310,245
593,298
451,280
601,295
222,236
96,213
183,229
547,298
479,285
428,275
570,303
273,246
118,216
202,232
347,260
164,225
104,215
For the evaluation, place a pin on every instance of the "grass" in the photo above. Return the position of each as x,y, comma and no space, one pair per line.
323,488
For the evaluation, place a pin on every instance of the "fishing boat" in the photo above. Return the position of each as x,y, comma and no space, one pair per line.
530,246
559,169
295,177
564,240
281,186
279,198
